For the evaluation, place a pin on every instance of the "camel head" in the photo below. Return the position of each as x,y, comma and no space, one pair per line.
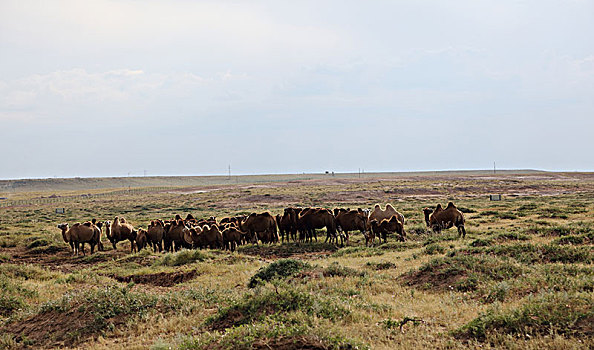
64,228
427,212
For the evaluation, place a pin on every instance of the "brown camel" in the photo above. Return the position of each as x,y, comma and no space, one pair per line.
378,214
176,236
155,232
317,218
388,226
286,225
260,226
441,219
350,220
79,234
207,237
232,237
141,239
120,230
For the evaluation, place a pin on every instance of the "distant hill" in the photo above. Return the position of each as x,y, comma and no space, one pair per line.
97,183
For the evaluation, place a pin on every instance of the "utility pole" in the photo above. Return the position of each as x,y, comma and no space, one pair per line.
229,172
494,171
144,172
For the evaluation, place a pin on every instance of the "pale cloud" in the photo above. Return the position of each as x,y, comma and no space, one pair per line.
313,85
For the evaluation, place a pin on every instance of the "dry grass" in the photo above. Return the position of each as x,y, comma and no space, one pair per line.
354,296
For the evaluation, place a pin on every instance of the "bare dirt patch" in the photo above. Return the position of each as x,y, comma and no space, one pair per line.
61,260
161,279
55,328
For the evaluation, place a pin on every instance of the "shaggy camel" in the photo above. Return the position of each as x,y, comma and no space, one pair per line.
312,219
119,230
379,214
176,236
286,225
79,234
350,220
207,237
232,237
100,227
155,232
141,239
441,219
260,226
388,226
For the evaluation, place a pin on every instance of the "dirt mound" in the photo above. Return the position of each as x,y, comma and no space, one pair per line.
438,280
232,318
161,279
55,328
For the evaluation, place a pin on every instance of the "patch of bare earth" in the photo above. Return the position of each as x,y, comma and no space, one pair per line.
53,329
161,279
433,279
61,260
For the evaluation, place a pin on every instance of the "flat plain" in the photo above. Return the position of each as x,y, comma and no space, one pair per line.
522,278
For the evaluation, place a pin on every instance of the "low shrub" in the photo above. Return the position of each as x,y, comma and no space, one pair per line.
434,248
561,313
273,333
256,307
536,253
279,269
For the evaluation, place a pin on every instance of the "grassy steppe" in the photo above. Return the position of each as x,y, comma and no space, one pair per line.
523,277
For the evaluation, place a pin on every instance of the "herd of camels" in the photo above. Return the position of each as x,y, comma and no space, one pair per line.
297,224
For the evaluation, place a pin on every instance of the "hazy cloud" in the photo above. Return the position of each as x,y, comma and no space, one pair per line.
312,86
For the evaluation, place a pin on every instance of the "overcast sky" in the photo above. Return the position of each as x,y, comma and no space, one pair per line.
102,88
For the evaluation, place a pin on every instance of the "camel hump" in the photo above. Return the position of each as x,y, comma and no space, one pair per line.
450,205
377,206
77,224
438,207
122,220
88,224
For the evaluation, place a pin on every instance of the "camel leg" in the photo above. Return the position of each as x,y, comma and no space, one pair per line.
462,231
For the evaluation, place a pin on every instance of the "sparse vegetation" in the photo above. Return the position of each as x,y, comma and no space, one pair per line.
522,277
560,313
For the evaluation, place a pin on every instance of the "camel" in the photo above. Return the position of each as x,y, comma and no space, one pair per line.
388,226
79,234
260,226
141,239
441,219
119,230
379,214
232,237
350,220
100,227
176,236
207,237
286,226
312,219
155,232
